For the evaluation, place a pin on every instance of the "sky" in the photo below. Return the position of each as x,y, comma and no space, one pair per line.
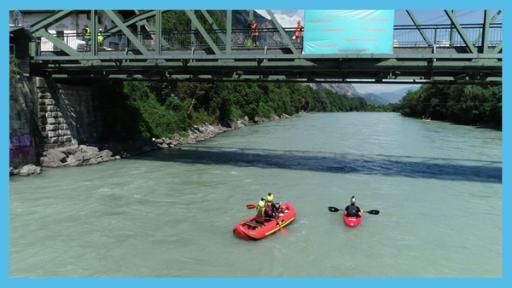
289,18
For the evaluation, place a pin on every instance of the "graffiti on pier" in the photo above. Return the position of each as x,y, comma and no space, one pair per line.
20,146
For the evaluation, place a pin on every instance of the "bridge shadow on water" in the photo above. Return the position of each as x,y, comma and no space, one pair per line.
342,163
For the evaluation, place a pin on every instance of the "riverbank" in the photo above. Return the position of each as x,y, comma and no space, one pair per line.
491,126
83,155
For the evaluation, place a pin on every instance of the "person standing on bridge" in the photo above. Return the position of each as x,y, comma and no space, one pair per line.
101,38
254,32
86,34
299,32
353,210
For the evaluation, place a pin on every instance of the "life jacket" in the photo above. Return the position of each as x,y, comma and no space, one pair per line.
269,204
299,31
268,209
260,213
101,37
87,33
352,210
254,29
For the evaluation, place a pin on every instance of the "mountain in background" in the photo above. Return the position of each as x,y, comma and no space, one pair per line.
343,89
396,95
374,99
241,19
388,97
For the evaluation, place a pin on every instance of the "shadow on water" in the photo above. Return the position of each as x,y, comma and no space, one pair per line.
385,165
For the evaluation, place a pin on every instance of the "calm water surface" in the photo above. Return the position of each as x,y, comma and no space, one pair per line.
170,213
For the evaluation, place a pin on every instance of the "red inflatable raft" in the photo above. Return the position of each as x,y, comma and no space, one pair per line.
250,230
352,222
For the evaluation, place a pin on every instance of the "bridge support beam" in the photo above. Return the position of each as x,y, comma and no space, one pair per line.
417,24
229,22
140,18
212,23
493,18
49,20
200,28
284,36
58,43
158,32
126,31
460,30
485,32
452,33
498,48
94,33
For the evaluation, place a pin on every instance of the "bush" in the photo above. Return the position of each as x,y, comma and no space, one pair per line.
165,109
264,110
157,120
464,104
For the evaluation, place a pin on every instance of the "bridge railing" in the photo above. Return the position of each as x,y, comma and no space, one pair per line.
241,39
405,36
445,35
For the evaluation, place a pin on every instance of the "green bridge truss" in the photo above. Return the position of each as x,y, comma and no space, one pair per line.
443,52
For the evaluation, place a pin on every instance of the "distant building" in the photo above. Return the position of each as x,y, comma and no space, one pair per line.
68,29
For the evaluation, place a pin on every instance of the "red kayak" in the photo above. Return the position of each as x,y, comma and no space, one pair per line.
352,222
250,230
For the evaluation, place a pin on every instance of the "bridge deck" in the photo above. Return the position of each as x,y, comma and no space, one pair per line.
436,54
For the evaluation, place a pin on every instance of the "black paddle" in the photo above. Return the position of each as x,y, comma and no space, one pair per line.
373,212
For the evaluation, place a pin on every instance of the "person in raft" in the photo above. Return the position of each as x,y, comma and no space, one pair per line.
353,210
271,209
260,212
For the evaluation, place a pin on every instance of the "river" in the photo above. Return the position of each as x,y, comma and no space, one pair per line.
171,213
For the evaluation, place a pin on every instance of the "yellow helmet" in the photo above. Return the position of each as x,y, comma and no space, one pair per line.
261,204
270,197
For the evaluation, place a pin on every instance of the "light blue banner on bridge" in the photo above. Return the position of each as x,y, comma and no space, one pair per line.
348,31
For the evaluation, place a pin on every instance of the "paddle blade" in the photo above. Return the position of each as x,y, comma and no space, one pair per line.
282,231
250,206
333,209
373,212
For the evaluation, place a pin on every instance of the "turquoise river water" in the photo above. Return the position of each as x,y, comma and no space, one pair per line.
171,213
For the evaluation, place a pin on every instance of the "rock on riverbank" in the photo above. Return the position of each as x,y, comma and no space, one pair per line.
203,132
26,170
75,156
198,133
80,155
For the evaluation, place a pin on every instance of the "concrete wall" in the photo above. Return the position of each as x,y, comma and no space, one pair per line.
80,109
45,115
68,113
23,133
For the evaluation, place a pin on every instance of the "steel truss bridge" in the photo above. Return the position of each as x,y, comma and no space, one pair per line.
137,48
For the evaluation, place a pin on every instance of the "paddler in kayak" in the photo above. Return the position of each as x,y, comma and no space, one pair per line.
353,210
260,213
271,210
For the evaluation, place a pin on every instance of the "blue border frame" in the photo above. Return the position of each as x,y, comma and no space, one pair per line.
7,281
